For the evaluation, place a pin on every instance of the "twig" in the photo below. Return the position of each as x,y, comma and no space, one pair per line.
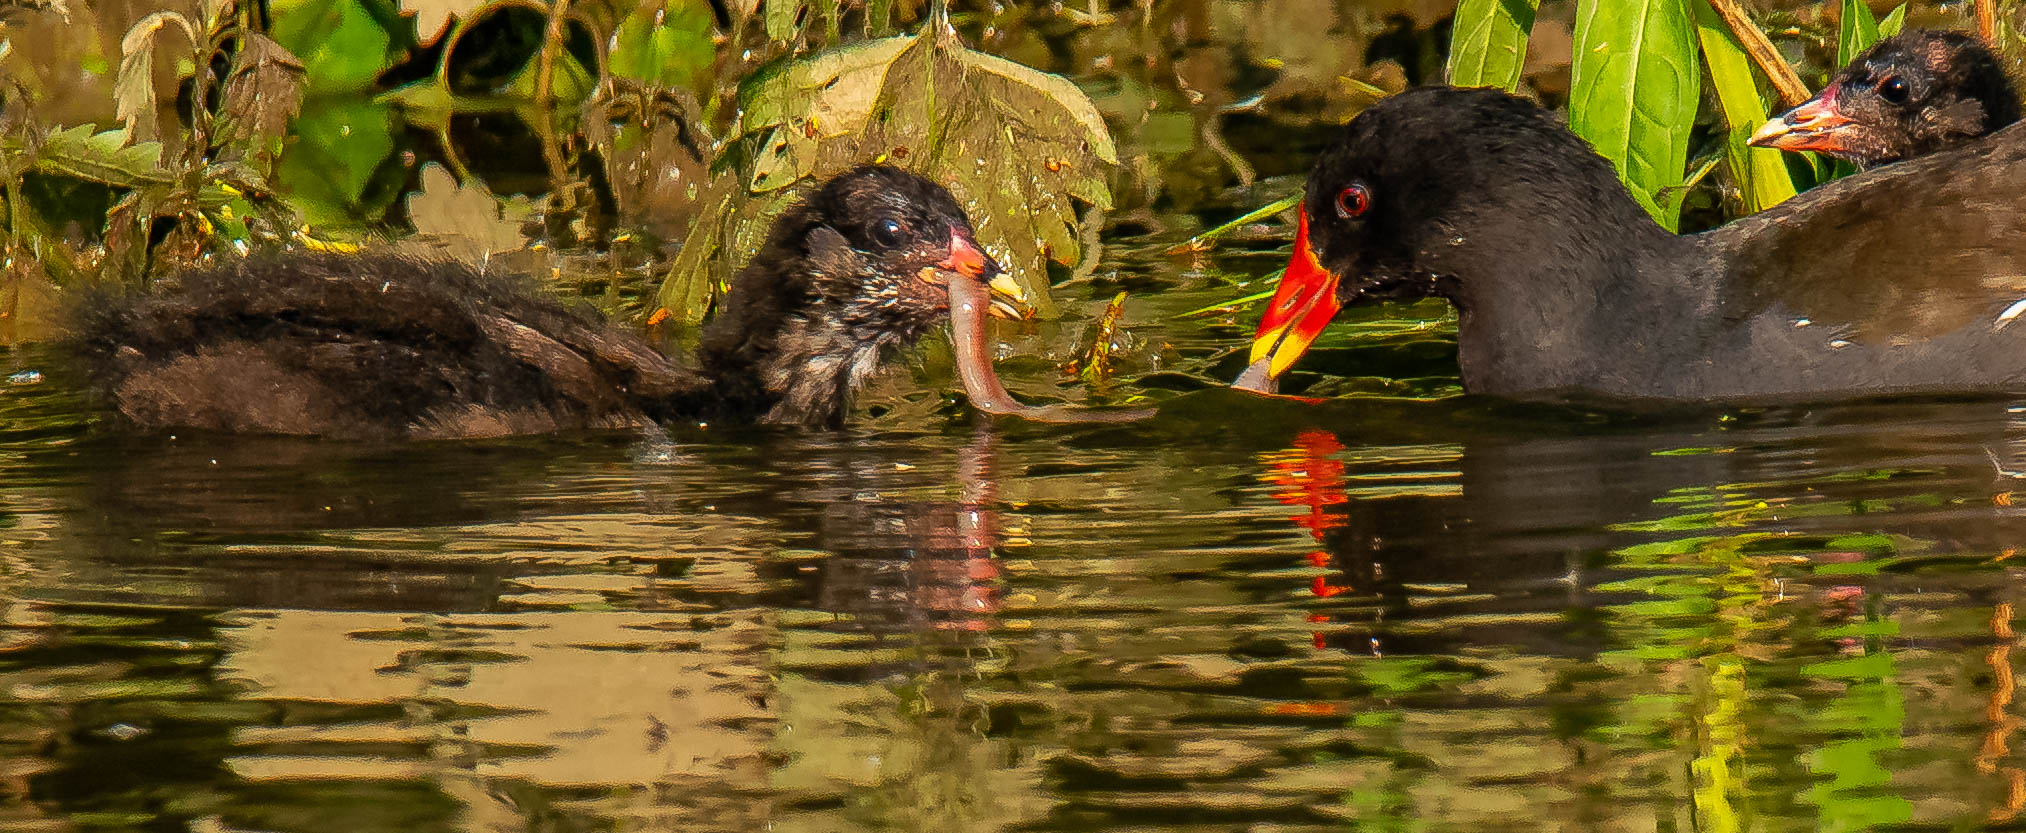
1987,21
552,46
1213,137
1775,68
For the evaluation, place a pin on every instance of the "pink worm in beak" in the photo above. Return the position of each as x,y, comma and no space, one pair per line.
970,301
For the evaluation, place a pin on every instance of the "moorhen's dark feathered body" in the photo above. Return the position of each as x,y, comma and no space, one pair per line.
1906,278
384,346
1912,94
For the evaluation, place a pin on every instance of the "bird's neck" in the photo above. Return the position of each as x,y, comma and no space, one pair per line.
799,366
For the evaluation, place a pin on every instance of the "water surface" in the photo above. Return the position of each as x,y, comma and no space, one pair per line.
1377,613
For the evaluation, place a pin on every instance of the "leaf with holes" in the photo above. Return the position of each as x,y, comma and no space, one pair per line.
1022,150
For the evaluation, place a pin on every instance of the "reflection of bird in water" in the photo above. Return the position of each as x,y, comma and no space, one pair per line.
897,566
379,346
1547,543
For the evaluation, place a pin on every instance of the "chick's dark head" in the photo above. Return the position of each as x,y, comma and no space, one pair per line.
1909,95
907,238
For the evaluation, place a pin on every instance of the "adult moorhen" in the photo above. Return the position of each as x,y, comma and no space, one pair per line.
1906,278
1911,94
384,346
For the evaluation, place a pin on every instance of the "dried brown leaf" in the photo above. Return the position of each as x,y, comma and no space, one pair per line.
460,221
432,17
134,91
263,91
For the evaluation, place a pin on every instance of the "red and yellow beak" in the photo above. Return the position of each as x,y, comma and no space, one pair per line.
1303,305
1009,301
1815,125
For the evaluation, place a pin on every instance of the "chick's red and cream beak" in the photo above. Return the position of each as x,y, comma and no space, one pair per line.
1009,301
1303,305
1815,125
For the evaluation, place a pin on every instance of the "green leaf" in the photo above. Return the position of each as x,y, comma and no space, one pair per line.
99,157
341,46
1022,150
1202,241
1761,173
1634,90
878,17
338,171
1857,31
1488,44
780,19
677,51
1893,22
830,94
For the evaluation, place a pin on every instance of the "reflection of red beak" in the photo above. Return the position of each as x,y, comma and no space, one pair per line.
1815,125
1303,305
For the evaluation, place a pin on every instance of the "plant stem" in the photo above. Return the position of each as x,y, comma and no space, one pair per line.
1987,21
1785,82
552,45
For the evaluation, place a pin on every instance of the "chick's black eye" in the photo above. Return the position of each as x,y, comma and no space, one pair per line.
1893,89
1353,201
889,233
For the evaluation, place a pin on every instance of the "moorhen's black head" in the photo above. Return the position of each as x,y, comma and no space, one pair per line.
862,264
1911,94
1436,189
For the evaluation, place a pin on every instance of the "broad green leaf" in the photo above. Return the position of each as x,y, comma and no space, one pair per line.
1893,22
338,171
1857,31
1634,86
1761,173
831,92
1488,44
780,18
667,46
1021,149
341,45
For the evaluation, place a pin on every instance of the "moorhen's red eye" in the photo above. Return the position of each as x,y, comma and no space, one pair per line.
889,233
1353,201
1893,89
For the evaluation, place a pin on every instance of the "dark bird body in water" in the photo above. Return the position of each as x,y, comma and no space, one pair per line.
385,346
1908,278
1912,94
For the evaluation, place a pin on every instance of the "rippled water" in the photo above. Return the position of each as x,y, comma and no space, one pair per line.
1380,614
